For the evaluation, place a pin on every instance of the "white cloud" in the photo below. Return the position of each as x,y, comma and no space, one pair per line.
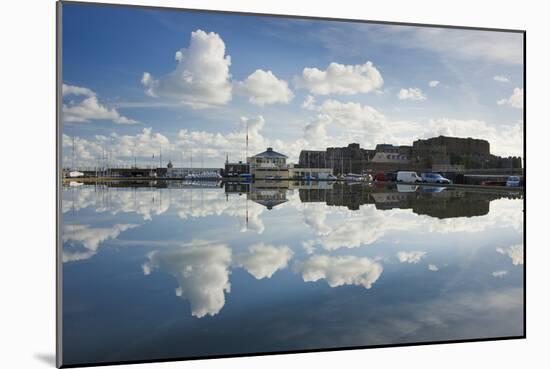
341,270
433,83
411,94
309,103
121,148
90,238
352,115
458,44
472,45
76,90
262,260
315,216
340,79
89,108
515,253
515,100
201,78
411,257
504,140
308,246
208,147
145,143
354,122
334,124
202,271
501,79
433,267
315,132
499,273
445,44
214,146
264,88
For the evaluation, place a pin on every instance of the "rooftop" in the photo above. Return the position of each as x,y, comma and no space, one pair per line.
270,203
269,153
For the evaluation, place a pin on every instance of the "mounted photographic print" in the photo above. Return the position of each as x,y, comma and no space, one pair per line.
238,184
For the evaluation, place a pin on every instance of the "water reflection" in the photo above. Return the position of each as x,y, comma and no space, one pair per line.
439,202
81,241
263,260
515,253
341,270
202,271
267,266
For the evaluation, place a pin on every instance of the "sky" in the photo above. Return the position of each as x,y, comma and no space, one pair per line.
140,82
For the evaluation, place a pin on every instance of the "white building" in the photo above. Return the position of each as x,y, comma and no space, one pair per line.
390,154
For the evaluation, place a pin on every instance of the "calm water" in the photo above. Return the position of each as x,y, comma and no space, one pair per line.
176,269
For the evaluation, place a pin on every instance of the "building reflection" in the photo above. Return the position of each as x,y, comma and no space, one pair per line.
266,193
433,201
437,202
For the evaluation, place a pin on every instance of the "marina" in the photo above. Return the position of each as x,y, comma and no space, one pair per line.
386,163
340,262
241,184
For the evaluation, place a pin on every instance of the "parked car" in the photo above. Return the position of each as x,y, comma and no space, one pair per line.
380,177
406,188
434,178
326,176
513,181
433,189
353,177
391,176
409,177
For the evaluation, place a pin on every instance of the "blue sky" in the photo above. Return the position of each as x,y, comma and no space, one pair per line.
137,81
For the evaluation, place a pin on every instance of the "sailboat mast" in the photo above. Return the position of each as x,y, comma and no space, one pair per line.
72,164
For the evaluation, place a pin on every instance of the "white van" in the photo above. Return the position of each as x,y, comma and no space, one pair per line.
409,177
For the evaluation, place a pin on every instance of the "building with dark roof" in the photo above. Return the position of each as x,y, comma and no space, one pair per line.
268,159
269,164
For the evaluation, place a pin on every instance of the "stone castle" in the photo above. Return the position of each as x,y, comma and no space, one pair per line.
452,153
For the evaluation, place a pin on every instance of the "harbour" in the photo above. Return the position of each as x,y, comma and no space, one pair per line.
239,260
472,165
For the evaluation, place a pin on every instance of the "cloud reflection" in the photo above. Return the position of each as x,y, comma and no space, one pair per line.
90,238
499,273
202,271
341,270
143,201
411,257
515,253
262,260
337,227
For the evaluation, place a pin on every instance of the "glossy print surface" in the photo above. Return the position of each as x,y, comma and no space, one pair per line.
157,270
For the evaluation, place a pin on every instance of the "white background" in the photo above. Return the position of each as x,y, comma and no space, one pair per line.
27,203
